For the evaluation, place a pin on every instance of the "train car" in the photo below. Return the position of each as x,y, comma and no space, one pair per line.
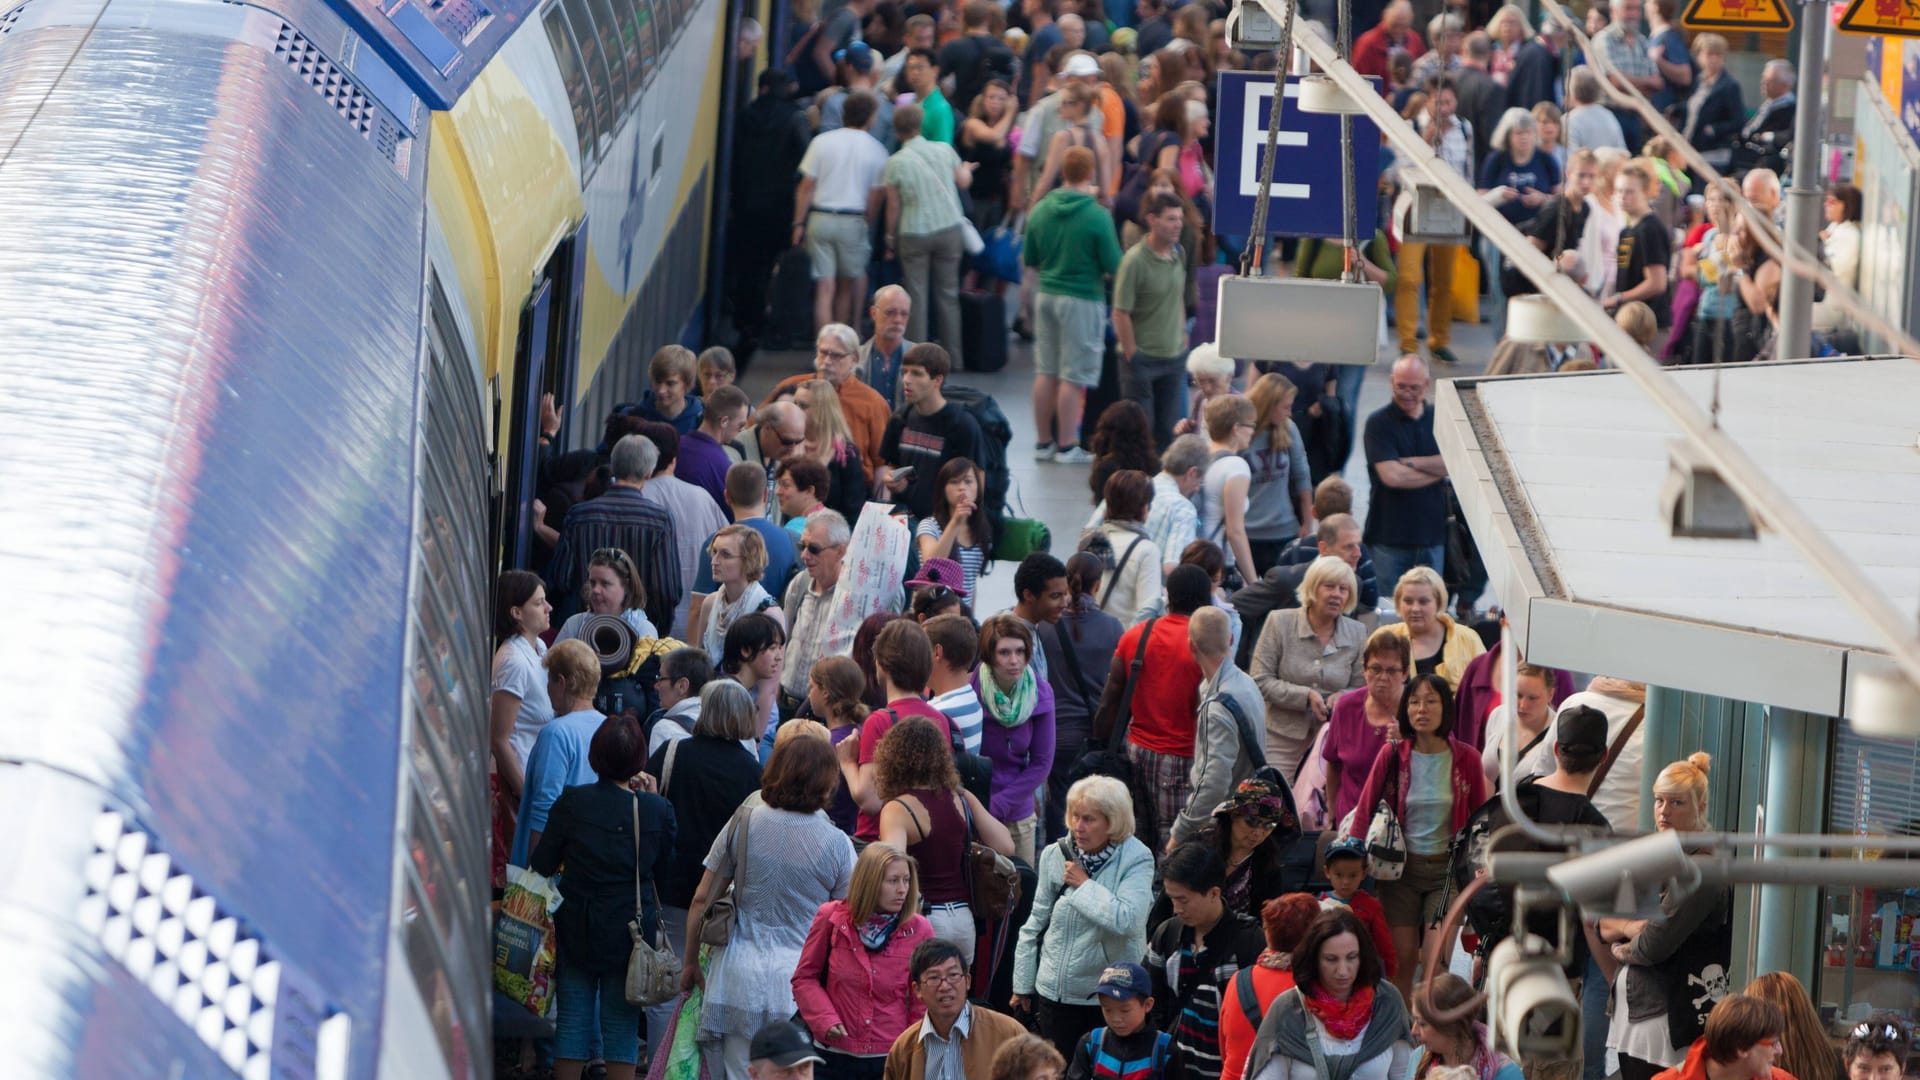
281,283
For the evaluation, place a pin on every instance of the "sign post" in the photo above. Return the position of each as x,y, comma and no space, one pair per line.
1306,189
1893,18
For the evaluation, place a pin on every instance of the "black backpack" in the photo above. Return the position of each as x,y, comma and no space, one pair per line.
996,434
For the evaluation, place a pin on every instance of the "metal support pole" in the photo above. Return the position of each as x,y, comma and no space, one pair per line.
1788,937
1803,199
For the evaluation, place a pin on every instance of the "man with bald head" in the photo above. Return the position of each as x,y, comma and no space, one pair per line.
1395,31
1407,515
880,355
836,358
779,434
1229,698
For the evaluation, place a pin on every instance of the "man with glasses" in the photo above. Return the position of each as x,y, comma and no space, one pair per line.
816,627
835,356
882,354
1407,520
956,1039
779,434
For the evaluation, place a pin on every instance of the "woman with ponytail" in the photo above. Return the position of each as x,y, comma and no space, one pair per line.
1655,1017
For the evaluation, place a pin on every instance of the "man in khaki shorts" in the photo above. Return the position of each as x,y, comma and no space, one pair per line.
1071,242
832,210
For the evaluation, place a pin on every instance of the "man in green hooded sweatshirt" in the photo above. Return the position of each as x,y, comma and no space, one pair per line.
1071,242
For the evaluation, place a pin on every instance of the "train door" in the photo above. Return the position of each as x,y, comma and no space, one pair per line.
546,361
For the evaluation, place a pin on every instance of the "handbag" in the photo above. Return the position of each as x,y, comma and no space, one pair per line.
716,923
993,882
1386,841
1000,257
653,973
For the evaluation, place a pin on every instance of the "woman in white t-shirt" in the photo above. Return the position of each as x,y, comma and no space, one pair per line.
1600,242
519,707
1533,687
1223,509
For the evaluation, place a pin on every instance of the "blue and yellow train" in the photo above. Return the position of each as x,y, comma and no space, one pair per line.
281,283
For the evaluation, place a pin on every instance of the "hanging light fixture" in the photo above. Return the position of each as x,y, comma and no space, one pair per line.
1304,320
1320,94
1883,704
1537,318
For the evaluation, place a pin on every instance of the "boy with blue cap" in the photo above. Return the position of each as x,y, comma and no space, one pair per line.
1127,1048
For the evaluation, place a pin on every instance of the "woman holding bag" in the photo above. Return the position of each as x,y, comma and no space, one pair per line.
612,842
1017,730
852,984
1432,783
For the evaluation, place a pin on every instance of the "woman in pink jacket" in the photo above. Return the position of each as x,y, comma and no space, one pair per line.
852,985
1434,783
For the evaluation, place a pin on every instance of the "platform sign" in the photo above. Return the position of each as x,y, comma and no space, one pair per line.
1736,15
1306,196
1894,18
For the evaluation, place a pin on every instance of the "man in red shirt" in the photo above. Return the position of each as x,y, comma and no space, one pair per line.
1394,32
903,658
1162,706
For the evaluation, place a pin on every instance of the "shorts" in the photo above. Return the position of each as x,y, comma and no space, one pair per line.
1414,900
1069,337
840,245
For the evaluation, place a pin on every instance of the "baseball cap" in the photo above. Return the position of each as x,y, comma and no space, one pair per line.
1124,981
783,1044
858,56
1080,65
1346,847
1581,730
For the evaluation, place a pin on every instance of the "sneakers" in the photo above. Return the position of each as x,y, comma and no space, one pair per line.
1072,455
1043,451
1443,354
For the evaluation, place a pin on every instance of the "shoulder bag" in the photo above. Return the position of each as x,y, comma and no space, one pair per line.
993,882
976,770
1386,840
716,923
1613,752
653,974
1124,720
1114,578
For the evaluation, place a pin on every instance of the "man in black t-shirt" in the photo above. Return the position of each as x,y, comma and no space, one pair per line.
929,432
974,59
1407,518
1645,251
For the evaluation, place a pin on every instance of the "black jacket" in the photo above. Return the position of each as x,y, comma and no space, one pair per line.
1536,70
711,778
590,836
847,484
1235,942
1722,115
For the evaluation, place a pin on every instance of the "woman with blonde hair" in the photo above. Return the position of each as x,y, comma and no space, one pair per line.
851,984
1654,1022
1509,30
1089,910
1438,645
1805,1050
1280,493
830,442
739,559
1305,657
1028,1057
1600,241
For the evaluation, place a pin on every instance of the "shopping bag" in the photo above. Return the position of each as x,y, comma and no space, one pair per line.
874,567
523,940
1000,258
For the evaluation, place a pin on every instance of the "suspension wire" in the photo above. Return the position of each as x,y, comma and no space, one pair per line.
58,78
1253,263
1793,258
1343,45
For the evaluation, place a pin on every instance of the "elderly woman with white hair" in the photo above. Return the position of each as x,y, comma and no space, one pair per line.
1517,178
1089,911
1437,644
1305,656
1212,376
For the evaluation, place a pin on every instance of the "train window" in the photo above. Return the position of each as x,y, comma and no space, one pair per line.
640,32
607,26
595,59
574,74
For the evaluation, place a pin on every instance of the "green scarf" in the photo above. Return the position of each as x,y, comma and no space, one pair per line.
1013,709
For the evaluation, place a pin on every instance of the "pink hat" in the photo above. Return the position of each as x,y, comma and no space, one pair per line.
941,572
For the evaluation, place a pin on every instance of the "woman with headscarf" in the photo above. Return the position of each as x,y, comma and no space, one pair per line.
1340,1011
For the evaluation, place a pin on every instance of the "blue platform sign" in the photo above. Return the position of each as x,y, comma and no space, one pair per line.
1306,198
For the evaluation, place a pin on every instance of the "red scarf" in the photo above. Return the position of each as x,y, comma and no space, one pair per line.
1344,1020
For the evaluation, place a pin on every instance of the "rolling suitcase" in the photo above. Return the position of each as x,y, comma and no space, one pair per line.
790,301
983,330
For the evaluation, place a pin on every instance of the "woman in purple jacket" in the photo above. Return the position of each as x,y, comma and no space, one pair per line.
1017,726
852,980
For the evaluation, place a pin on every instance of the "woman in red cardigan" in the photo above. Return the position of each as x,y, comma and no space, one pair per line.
852,985
1434,783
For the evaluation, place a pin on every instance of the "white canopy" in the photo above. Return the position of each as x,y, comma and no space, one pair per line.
1559,477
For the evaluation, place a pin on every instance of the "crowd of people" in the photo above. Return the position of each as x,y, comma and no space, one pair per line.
1126,827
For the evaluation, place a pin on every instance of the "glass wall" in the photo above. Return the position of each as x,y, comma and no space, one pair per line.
1869,958
1887,169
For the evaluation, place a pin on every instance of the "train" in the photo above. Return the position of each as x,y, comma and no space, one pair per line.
281,285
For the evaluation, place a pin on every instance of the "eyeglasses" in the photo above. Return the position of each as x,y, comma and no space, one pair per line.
1374,671
1771,1044
829,354
791,443
936,978
816,549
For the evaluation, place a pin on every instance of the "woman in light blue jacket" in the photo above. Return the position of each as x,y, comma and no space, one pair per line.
1095,888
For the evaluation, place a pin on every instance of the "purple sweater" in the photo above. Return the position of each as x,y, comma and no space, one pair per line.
1022,756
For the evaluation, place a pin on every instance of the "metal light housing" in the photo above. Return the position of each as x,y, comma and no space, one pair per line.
1537,318
1697,503
1431,217
1305,320
1320,94
1883,704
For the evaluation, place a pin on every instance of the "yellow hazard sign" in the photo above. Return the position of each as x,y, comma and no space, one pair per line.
1900,18
1740,14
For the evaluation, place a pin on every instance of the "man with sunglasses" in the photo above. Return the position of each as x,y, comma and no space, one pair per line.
779,434
817,628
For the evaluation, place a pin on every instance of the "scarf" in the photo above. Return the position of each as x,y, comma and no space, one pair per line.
720,615
1011,709
1278,961
1093,863
1344,1020
1283,1032
878,929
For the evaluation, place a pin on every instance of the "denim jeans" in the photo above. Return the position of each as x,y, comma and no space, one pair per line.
1389,562
1157,384
619,1022
1594,990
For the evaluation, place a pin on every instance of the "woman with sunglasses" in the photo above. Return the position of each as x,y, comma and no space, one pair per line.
739,559
959,529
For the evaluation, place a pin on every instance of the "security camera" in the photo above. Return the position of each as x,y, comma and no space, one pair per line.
1625,880
1253,26
1535,1014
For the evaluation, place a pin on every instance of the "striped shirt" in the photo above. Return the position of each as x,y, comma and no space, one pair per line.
922,172
971,557
1188,986
961,707
621,518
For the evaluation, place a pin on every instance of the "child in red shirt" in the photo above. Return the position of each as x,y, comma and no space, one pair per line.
1346,868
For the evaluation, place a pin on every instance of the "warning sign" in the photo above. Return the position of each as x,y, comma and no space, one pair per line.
1900,18
1742,14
